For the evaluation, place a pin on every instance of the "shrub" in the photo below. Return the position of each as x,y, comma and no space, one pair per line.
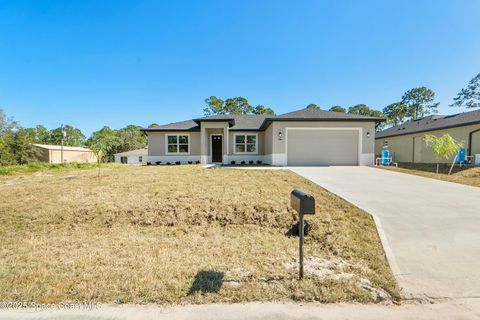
197,162
168,163
243,162
149,163
158,162
190,162
259,162
232,162
177,163
251,162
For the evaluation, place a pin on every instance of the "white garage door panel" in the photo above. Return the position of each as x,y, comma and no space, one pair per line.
322,147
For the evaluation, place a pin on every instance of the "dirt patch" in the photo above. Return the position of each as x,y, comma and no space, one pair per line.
180,234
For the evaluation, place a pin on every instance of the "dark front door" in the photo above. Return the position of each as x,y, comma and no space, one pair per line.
216,148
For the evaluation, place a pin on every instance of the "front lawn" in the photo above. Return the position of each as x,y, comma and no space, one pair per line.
181,234
464,175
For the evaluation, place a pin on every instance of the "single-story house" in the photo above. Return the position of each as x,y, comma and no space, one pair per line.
138,156
53,154
300,138
406,141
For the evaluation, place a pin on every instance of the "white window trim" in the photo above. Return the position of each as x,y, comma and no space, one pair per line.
245,134
176,135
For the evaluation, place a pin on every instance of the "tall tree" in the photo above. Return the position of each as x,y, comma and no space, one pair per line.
419,102
42,134
214,106
338,109
6,136
470,96
396,113
106,140
237,105
313,106
74,137
130,138
364,110
22,148
263,110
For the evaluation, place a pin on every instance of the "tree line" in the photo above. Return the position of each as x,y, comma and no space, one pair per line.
16,142
414,104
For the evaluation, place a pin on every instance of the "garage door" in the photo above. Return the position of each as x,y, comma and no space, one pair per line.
322,147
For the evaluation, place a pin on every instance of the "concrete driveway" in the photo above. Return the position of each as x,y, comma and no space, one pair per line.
430,229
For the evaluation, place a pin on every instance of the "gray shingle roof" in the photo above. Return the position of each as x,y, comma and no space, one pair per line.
188,125
433,122
260,122
318,114
238,121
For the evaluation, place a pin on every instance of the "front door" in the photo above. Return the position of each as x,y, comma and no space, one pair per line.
217,149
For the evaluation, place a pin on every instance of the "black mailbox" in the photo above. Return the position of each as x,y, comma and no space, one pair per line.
302,202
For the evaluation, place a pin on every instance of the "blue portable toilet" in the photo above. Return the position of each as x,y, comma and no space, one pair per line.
385,156
461,155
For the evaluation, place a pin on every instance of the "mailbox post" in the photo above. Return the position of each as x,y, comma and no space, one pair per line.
303,203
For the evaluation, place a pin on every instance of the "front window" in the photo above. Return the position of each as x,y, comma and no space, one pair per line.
140,159
177,144
246,143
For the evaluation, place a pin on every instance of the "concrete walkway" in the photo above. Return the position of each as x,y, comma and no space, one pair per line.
430,229
258,311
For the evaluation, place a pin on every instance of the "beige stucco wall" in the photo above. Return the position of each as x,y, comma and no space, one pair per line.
270,148
156,142
206,129
72,156
268,140
402,147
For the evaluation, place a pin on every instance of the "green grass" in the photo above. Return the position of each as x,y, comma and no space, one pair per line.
178,234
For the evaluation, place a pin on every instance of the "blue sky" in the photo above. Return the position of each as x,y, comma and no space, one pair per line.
95,63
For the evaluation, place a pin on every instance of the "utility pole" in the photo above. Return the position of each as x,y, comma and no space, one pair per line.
62,133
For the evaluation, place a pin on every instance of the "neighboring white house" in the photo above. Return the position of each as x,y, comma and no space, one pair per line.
132,157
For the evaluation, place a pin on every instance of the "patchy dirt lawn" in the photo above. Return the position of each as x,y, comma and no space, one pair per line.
181,234
464,175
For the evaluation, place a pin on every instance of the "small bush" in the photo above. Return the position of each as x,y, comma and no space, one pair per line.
232,162
197,162
177,163
149,163
158,162
190,162
243,162
168,163
251,162
259,162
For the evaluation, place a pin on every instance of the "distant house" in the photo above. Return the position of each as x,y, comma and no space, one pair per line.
307,137
132,157
406,141
53,154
